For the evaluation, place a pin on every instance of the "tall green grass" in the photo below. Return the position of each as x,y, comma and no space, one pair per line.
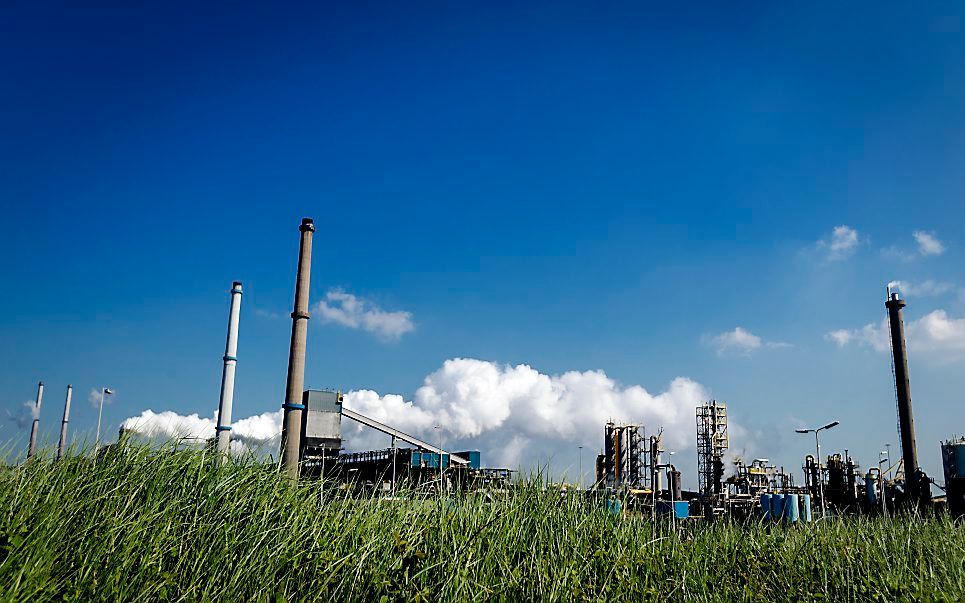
144,525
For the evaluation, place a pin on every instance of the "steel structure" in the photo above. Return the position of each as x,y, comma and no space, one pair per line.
625,457
712,443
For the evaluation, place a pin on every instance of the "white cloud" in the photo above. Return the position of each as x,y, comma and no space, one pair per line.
354,312
740,340
266,314
25,414
94,397
253,433
933,332
513,414
842,243
842,337
928,243
926,288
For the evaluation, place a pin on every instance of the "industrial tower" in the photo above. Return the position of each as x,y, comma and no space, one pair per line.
711,445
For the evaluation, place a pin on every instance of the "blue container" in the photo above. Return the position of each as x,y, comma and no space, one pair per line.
680,508
614,506
777,507
766,506
791,509
870,489
806,507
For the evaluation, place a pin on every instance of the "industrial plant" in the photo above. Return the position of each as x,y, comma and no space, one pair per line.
633,474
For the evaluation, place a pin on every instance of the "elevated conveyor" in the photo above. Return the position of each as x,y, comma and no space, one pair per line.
422,445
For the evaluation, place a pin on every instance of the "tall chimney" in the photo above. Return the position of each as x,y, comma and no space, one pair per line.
223,429
906,421
292,424
32,448
62,445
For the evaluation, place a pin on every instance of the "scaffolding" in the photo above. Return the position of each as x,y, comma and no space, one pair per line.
712,443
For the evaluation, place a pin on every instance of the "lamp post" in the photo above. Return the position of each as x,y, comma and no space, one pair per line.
817,444
672,487
881,478
439,439
105,391
581,466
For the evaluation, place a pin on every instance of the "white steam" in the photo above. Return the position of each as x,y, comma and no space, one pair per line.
515,415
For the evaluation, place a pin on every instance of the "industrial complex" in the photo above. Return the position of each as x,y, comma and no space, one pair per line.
634,473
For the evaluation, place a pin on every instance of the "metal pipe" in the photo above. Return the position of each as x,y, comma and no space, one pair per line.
223,429
906,420
292,424
62,444
35,425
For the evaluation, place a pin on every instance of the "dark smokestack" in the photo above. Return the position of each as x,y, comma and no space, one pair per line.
292,423
906,420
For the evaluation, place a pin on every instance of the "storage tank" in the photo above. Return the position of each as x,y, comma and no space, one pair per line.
871,490
777,507
766,506
791,509
806,507
953,460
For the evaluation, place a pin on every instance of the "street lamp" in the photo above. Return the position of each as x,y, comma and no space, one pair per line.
581,466
817,443
105,391
881,480
439,439
672,487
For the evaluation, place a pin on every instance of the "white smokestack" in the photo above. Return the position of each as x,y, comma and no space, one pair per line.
228,376
35,425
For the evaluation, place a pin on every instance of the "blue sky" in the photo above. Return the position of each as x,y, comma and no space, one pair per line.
566,186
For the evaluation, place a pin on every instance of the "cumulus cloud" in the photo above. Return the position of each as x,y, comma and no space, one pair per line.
841,244
513,414
354,312
928,243
933,332
253,433
740,340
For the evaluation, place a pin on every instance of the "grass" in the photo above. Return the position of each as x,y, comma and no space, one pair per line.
149,526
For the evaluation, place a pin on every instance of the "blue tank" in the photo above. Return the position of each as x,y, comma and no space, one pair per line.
791,509
766,506
806,507
871,489
777,507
